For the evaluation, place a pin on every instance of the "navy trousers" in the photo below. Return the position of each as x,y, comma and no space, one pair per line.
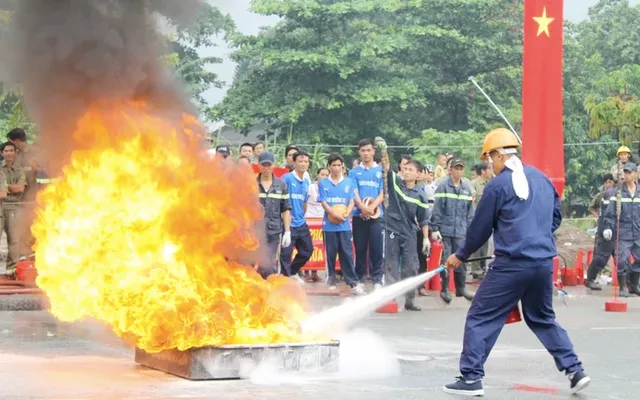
367,236
301,241
339,243
401,260
628,248
499,292
604,249
451,245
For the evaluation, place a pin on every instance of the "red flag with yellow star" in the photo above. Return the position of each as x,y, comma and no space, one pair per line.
543,142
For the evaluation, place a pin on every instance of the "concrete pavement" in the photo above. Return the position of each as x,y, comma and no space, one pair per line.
402,356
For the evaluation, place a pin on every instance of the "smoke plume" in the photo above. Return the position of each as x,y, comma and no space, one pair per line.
67,55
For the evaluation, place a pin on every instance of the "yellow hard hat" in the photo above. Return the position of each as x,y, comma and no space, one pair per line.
497,139
623,149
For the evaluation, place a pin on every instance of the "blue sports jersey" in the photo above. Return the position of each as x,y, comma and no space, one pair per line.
369,183
298,194
340,193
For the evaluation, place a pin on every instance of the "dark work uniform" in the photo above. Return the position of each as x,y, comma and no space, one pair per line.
628,235
430,193
452,213
522,270
407,212
274,202
604,249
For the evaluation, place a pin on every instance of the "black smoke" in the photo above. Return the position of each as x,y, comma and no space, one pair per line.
67,55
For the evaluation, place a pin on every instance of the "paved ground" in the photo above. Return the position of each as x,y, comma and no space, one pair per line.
44,359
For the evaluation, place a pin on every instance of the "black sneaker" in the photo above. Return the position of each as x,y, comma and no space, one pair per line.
579,380
593,285
466,388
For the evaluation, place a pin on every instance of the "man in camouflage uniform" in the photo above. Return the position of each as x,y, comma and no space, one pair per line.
478,268
15,181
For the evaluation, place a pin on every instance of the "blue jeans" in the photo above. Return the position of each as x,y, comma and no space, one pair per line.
301,241
339,243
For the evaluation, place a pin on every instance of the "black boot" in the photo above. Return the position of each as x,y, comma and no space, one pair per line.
634,279
622,282
592,274
461,282
444,292
409,305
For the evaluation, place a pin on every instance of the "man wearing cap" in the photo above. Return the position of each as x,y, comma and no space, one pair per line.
452,214
604,249
274,198
445,178
521,207
623,217
300,234
223,151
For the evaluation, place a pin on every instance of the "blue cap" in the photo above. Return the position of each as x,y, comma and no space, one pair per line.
266,157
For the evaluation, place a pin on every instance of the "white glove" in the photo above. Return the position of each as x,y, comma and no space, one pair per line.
286,239
436,236
426,246
607,234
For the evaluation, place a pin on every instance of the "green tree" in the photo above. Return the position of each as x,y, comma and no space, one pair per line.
341,70
466,145
601,80
195,71
612,102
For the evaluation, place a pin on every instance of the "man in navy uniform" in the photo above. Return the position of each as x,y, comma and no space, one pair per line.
452,213
274,198
407,212
523,209
628,229
604,249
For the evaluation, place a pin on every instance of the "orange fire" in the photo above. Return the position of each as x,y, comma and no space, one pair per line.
137,232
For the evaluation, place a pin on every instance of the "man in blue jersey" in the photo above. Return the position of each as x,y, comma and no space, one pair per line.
300,234
367,225
332,191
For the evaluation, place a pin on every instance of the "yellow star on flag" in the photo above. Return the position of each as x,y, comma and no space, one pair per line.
543,22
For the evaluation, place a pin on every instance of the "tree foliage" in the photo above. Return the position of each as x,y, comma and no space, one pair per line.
602,84
195,71
342,70
466,145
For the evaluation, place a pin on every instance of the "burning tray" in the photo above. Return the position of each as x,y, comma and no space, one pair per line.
226,362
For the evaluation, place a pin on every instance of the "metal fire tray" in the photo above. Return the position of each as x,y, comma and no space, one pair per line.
227,362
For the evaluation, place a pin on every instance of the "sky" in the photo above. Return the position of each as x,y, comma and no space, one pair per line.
249,23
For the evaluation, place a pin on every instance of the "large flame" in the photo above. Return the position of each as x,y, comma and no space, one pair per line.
136,234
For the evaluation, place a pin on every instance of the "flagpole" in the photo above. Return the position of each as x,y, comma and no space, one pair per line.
496,108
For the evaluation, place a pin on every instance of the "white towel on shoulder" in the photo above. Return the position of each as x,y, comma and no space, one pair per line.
518,178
